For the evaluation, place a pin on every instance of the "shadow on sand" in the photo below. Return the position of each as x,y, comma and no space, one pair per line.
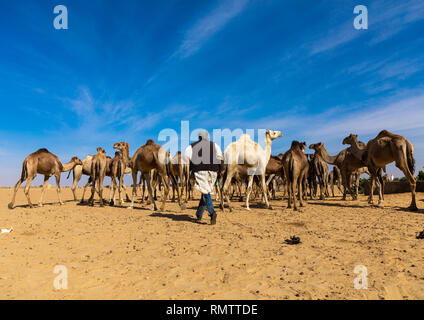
176,217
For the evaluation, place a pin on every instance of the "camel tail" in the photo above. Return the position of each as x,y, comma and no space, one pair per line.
410,157
69,173
120,169
24,174
291,169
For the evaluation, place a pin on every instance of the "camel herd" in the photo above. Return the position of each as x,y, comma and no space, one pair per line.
299,172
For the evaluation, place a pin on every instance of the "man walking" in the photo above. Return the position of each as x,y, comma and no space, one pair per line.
205,163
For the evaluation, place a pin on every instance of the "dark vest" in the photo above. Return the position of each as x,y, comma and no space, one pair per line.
204,157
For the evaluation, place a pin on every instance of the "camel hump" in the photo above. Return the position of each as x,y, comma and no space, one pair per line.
295,144
150,142
385,133
42,150
245,137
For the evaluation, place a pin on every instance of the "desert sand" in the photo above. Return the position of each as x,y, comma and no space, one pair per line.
116,253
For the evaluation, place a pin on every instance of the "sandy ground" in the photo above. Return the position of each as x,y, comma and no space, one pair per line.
115,253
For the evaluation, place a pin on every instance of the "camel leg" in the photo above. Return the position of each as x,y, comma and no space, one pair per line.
165,190
321,188
300,186
402,165
59,191
179,194
357,177
100,181
121,186
134,191
289,192
83,190
112,193
225,191
17,185
249,190
77,172
265,191
26,190
143,189
127,198
293,190
344,182
371,197
149,190
46,179
331,182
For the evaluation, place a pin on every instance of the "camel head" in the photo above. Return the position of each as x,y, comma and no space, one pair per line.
351,139
302,146
271,134
100,150
316,146
121,146
77,161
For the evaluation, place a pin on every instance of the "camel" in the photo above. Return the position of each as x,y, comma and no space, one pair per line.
345,161
250,155
45,163
321,170
98,172
386,178
312,177
153,156
274,169
117,168
386,148
85,169
181,167
334,179
296,168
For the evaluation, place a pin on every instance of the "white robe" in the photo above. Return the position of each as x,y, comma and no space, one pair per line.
205,180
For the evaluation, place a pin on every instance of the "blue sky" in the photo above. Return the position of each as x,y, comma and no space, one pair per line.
124,71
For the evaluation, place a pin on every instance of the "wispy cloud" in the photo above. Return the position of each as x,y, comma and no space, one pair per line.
386,19
208,26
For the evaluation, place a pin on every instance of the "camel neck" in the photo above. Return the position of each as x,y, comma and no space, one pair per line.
327,157
356,150
268,144
68,166
126,155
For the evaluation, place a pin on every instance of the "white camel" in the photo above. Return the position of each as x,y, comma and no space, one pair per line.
249,154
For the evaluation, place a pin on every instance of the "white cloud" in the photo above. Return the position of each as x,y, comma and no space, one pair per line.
208,26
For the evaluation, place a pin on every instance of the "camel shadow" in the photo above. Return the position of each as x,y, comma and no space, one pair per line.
176,217
402,209
36,206
326,204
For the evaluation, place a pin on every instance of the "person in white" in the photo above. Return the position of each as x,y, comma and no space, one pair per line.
205,163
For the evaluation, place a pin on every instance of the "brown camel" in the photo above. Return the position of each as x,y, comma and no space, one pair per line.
345,161
181,168
334,178
312,177
117,168
320,169
98,172
85,169
274,169
296,168
45,163
386,148
153,156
